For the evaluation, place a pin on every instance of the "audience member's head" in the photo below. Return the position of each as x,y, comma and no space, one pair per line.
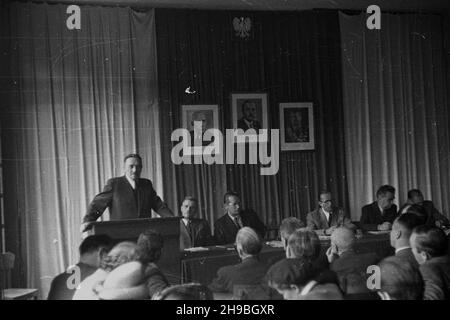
94,248
417,210
415,196
133,166
326,201
287,227
150,244
304,245
189,291
189,207
248,243
427,243
121,253
385,196
402,229
232,203
343,239
290,276
400,280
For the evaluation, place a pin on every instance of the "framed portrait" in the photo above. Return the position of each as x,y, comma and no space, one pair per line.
209,117
249,111
296,126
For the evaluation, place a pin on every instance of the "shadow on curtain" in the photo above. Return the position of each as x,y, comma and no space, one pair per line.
396,107
77,102
294,57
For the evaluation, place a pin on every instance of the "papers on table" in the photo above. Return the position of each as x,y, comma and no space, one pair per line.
275,244
379,232
195,249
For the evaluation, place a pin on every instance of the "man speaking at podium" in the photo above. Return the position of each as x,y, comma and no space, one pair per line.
127,197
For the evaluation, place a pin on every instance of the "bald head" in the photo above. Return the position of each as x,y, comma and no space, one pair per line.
248,242
343,238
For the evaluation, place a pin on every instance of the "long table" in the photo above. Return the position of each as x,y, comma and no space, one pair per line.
202,266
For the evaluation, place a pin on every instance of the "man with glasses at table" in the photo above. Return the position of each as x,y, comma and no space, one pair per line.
327,217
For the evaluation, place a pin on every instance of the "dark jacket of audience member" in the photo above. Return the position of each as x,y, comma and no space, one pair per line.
399,280
371,216
225,229
62,288
249,272
430,247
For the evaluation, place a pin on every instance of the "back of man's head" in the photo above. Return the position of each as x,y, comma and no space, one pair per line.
288,226
400,279
288,272
431,240
304,244
95,243
248,241
385,189
344,238
150,244
405,223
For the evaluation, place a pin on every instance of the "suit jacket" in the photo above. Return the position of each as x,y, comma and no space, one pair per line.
59,289
124,202
155,280
371,216
243,125
351,269
433,214
436,276
407,255
249,272
225,229
201,234
316,220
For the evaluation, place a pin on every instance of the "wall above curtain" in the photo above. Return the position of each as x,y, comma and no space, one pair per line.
293,57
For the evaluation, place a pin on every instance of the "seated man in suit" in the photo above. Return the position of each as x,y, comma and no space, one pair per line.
327,217
297,279
430,248
380,214
127,197
194,232
350,267
434,217
92,249
227,226
399,280
249,272
287,227
400,234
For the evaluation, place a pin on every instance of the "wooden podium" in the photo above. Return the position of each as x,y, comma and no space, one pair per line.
129,230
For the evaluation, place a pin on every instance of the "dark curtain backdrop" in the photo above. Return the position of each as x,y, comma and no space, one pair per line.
396,107
294,57
73,104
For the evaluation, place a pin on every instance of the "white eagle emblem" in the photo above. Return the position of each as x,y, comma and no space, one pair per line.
242,26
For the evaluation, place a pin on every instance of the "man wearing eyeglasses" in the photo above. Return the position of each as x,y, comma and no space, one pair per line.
127,197
327,217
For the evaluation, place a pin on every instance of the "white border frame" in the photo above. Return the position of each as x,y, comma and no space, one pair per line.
290,146
198,107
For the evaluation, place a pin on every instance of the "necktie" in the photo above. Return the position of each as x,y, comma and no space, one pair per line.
190,231
237,221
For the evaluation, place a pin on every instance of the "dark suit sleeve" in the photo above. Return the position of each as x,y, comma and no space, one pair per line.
221,283
256,223
100,202
158,205
205,235
310,223
437,216
433,284
365,219
219,233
